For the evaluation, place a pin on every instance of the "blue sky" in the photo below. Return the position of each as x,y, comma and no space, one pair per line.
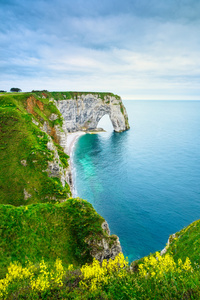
139,49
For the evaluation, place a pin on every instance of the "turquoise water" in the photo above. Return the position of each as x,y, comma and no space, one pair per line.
146,181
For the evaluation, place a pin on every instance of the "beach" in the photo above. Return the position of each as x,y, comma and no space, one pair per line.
71,140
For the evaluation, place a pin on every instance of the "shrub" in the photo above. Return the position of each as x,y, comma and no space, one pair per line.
15,90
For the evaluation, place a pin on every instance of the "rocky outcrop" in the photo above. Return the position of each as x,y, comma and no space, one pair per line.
26,194
55,168
171,238
86,110
106,247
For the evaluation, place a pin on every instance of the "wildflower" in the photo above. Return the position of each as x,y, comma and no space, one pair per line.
41,283
96,274
59,272
159,266
70,267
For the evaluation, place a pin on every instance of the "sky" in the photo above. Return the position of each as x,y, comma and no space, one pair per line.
138,49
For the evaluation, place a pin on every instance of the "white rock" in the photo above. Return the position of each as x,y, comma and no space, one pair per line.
24,162
53,117
26,195
85,112
35,122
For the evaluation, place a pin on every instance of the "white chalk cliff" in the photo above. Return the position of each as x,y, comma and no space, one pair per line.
84,111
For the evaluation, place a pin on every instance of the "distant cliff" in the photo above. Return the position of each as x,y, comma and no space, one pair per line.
84,111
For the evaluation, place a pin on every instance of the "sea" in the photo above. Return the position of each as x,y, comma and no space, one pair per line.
145,181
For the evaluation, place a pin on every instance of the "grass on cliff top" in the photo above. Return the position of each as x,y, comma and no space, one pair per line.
24,153
72,94
187,243
48,231
42,109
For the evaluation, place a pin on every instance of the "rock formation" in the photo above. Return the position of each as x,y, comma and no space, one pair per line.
85,111
106,247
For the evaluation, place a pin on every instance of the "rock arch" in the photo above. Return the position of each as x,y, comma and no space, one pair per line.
85,112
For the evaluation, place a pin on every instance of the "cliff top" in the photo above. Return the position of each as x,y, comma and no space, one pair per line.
62,95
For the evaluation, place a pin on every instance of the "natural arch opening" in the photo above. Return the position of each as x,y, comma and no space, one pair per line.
105,123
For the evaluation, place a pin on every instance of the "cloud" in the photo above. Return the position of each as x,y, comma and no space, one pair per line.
143,48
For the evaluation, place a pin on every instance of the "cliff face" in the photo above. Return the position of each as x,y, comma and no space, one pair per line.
105,248
84,111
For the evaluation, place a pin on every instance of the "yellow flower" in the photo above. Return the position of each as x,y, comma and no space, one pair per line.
159,265
96,274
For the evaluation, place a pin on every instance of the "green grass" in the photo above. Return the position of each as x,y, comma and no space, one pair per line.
21,140
187,243
63,156
72,94
48,231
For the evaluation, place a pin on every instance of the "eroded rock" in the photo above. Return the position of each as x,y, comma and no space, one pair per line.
105,247
171,238
53,117
55,168
85,112
26,195
24,162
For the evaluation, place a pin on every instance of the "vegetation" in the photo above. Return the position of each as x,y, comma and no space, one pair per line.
24,152
46,237
125,116
15,90
72,95
48,231
186,243
157,278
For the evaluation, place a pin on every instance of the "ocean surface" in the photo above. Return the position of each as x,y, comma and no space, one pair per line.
146,181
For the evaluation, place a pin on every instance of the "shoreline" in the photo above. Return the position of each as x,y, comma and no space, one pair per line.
70,143
71,140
